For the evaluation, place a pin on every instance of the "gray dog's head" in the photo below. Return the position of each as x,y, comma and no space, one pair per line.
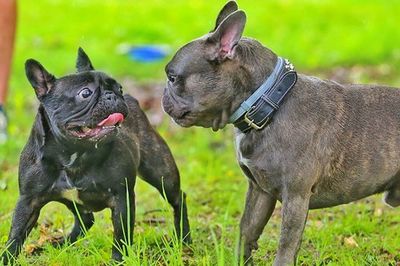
209,77
86,106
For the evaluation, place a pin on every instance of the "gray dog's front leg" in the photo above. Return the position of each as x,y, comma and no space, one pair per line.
258,210
294,216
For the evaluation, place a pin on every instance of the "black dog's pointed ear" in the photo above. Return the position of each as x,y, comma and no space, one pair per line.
228,9
41,80
83,62
40,128
227,35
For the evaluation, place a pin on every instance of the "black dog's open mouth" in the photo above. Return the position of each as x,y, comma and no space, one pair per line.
101,129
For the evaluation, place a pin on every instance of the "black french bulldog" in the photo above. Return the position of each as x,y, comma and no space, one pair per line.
328,144
88,143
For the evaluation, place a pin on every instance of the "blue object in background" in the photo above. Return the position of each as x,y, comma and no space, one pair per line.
147,53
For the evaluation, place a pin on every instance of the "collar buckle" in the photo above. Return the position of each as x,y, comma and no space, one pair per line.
251,123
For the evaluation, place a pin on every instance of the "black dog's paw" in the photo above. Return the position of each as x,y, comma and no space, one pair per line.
58,242
116,257
7,259
187,240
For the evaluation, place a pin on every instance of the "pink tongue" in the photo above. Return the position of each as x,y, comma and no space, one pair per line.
112,120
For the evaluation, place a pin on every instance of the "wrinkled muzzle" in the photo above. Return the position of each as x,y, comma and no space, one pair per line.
173,106
98,120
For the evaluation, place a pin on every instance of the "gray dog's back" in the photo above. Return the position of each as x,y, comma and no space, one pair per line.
345,136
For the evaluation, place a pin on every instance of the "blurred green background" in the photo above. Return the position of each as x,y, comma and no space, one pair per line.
349,41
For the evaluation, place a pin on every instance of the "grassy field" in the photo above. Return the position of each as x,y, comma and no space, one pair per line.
349,40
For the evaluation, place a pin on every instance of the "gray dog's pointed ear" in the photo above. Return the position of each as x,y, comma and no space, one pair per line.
228,9
83,62
227,35
41,80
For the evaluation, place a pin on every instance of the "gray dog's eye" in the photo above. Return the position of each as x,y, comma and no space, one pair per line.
85,93
171,78
121,90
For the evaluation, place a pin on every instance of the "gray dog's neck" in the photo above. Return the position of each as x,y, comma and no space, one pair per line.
257,63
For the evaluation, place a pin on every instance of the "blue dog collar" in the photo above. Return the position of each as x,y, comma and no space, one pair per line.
257,110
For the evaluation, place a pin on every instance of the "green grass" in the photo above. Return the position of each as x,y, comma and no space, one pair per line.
317,36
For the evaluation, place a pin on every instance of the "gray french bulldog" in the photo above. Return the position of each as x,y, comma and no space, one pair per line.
87,144
328,144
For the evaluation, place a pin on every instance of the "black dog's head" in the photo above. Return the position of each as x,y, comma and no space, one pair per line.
202,72
86,106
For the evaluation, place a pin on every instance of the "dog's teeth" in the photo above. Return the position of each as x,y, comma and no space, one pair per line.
85,129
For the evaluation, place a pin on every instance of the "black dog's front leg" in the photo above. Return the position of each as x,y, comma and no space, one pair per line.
294,216
25,217
83,222
123,218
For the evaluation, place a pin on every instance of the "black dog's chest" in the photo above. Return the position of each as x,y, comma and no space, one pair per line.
91,177
82,184
86,191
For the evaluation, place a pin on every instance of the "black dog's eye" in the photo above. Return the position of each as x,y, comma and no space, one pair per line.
171,78
85,93
121,90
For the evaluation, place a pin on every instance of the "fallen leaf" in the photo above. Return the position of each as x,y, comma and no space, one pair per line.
350,242
45,237
153,221
32,248
3,184
319,224
378,212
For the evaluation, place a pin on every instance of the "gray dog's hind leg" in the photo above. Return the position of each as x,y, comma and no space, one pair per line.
258,209
83,222
294,216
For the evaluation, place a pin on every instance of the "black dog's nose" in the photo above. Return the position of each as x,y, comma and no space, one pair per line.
110,96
